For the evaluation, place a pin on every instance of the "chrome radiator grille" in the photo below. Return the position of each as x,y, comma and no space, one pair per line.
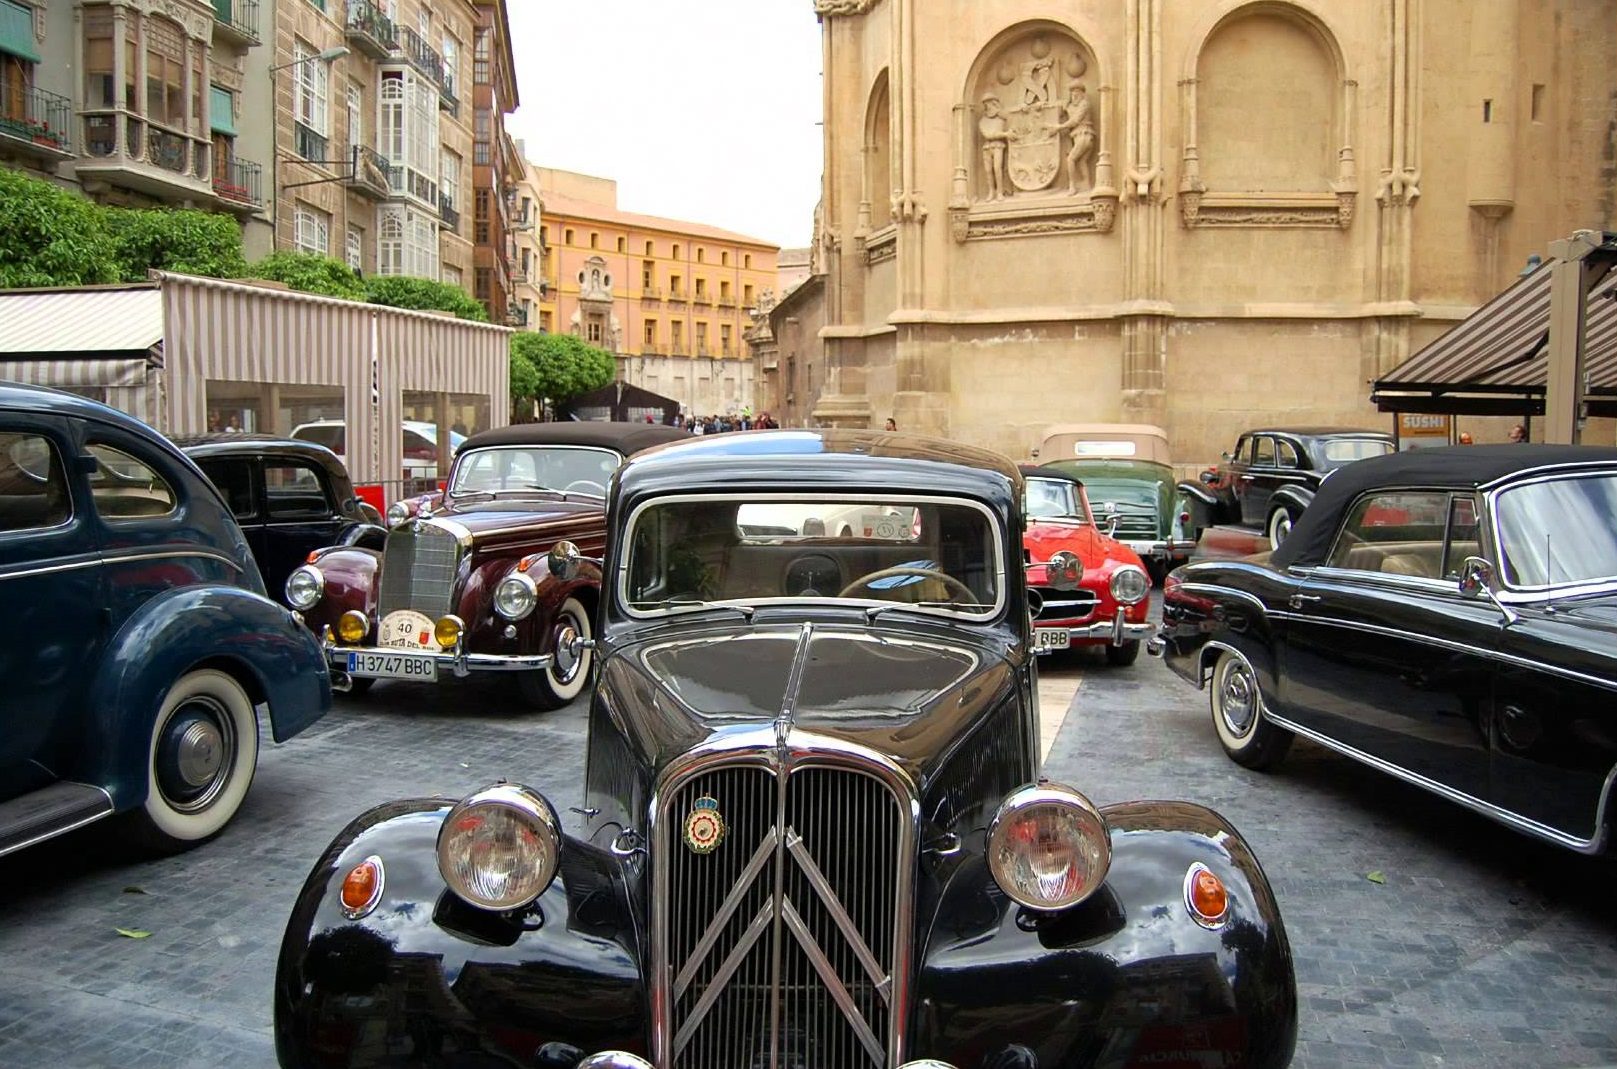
418,570
781,945
1065,604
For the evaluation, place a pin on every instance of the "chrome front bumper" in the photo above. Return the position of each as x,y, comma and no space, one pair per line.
1148,549
457,660
1117,631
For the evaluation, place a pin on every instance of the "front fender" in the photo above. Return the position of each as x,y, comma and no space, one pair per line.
1125,978
1298,497
257,641
425,976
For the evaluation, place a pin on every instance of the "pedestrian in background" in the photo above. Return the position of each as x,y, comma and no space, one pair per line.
1518,433
892,424
1465,438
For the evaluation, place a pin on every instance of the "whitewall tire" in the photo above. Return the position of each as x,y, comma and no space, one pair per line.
200,761
1238,715
569,671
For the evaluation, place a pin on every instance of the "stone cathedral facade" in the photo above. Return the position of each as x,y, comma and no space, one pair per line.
1203,214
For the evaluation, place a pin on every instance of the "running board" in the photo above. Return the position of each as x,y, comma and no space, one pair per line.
48,812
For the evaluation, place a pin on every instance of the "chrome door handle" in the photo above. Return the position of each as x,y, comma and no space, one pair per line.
1296,600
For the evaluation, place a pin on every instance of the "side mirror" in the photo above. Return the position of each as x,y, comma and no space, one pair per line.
1209,477
1113,518
564,561
1476,575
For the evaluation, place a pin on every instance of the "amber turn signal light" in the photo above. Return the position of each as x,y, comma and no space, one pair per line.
447,631
362,888
1206,897
352,626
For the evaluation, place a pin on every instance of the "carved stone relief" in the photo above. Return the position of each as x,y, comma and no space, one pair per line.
594,281
832,8
1035,131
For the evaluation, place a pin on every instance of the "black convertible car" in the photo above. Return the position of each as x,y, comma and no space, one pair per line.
1448,616
813,834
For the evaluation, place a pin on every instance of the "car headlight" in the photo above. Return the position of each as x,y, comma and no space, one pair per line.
304,587
498,849
1048,847
516,596
1130,585
397,513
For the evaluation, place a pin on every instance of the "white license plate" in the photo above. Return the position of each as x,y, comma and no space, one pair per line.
1046,639
393,666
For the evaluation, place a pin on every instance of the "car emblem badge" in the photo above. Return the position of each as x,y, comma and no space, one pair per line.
704,826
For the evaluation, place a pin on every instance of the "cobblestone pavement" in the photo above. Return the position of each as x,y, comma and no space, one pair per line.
1481,949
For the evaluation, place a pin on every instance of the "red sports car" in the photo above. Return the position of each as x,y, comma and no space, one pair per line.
1107,589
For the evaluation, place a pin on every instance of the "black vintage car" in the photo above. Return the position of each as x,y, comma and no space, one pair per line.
289,496
1272,474
813,832
1448,616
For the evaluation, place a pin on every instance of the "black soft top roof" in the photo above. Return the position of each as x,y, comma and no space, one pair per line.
625,438
1461,467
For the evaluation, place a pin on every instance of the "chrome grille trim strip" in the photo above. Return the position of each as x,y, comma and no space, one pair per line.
839,913
833,982
732,962
764,854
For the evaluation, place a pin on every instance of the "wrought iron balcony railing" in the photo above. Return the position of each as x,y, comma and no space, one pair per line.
447,212
422,56
371,174
238,17
370,31
239,181
35,116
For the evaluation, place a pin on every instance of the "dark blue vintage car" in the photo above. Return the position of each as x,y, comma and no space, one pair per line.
142,649
814,833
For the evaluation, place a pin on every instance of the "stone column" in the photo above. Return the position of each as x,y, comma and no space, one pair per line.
1144,331
1397,191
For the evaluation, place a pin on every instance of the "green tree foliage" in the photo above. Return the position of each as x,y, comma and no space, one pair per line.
399,291
51,237
565,366
524,376
174,239
310,273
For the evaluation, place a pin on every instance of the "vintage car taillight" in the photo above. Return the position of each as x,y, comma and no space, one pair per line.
1048,847
498,849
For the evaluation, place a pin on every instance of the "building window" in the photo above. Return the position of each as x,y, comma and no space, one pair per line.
651,334
724,339
165,73
675,286
100,85
676,252
454,277
595,332
678,336
724,259
449,179
701,288
451,57
746,296
482,283
746,261
481,56
701,254
651,248
724,291
595,241
309,92
311,230
544,322
356,248
409,135
648,275
701,339
356,121
480,203
568,236
483,149
408,242
623,244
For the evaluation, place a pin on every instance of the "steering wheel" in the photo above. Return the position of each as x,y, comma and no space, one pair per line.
954,585
585,486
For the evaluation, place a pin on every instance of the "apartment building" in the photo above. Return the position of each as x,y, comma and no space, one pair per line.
669,298
142,102
529,284
496,165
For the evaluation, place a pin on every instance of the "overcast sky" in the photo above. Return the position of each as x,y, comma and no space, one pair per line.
707,112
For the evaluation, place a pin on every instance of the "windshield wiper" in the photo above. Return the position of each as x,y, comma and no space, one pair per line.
680,601
876,610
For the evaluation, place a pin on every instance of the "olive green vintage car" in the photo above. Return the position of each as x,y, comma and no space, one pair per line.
1127,472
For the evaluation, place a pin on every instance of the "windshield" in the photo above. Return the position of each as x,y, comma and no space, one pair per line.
927,555
1338,451
1559,532
513,469
1051,499
1126,492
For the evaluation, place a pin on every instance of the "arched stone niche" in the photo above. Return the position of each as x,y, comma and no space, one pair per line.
1031,154
1268,135
875,230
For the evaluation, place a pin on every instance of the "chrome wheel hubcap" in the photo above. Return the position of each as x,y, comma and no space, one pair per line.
1238,700
192,762
568,654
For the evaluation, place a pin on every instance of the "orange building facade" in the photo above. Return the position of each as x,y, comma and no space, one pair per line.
670,299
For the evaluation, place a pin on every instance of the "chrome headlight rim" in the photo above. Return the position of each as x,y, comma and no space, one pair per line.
1018,804
530,596
526,805
1130,573
398,513
310,597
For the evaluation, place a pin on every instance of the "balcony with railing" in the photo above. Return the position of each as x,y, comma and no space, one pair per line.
369,31
308,144
132,152
677,297
727,300
650,294
448,216
370,174
236,20
422,56
703,297
35,122
238,184
447,100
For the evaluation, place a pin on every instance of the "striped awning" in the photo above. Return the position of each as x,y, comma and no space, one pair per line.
1501,354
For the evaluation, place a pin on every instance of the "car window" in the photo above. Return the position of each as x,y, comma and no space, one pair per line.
124,487
1463,539
329,435
1243,445
514,469
1559,531
931,556
234,478
1286,454
1339,451
294,490
1394,533
33,483
1050,497
1263,452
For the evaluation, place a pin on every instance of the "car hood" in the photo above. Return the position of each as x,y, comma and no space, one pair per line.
912,697
484,518
1045,538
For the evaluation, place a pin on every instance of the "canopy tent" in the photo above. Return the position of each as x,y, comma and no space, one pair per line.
622,403
1496,362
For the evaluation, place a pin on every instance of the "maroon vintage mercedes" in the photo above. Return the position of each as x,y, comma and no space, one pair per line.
460,585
